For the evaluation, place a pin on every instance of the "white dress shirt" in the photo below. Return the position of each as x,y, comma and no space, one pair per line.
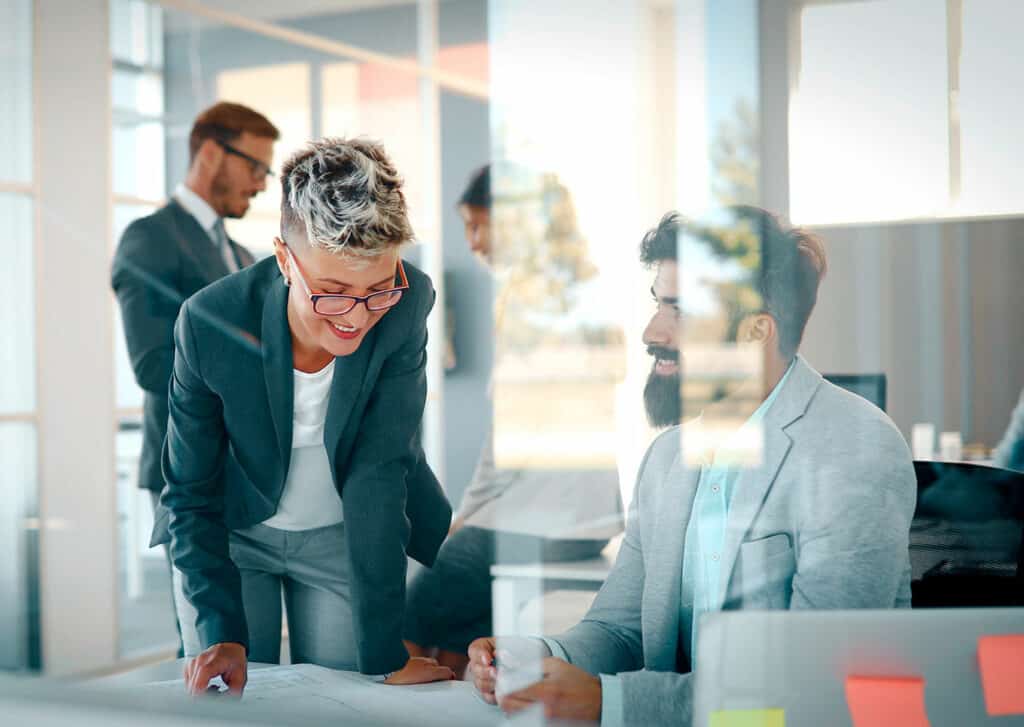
207,219
309,499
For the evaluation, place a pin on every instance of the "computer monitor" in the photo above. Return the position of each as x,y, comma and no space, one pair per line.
799,661
870,386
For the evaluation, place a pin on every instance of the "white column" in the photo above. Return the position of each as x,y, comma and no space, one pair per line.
75,345
430,233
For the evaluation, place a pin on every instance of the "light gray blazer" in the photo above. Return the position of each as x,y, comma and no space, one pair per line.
822,523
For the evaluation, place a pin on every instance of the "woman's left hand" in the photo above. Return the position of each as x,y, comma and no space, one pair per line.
420,670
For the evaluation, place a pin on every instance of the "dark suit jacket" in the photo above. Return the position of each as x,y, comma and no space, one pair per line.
161,260
229,440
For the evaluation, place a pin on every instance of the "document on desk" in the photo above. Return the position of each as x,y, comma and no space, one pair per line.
342,695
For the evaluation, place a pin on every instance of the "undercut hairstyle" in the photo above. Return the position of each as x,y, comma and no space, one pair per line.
478,191
225,122
791,263
345,197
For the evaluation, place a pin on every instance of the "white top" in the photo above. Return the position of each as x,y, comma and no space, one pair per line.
309,499
207,219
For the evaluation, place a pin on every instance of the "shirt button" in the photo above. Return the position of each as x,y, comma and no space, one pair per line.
714,557
714,488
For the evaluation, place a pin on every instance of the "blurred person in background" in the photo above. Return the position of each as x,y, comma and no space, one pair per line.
509,515
803,502
293,461
167,256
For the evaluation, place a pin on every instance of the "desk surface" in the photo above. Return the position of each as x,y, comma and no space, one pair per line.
303,694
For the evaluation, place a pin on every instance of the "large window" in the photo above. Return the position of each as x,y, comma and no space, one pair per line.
18,609
900,110
139,131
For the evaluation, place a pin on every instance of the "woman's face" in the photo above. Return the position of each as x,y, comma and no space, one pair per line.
325,272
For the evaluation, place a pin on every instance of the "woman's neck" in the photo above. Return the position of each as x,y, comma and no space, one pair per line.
305,358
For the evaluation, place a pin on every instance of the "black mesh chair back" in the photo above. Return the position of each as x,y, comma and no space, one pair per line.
967,538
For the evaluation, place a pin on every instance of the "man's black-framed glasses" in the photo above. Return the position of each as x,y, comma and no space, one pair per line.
338,304
259,169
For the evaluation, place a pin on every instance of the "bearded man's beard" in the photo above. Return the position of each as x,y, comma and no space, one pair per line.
663,399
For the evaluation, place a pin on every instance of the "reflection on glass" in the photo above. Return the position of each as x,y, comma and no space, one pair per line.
146,622
137,93
139,160
990,69
18,579
282,93
865,98
17,322
16,90
368,99
136,32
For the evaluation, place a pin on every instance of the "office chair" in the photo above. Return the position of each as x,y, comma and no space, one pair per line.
870,386
967,538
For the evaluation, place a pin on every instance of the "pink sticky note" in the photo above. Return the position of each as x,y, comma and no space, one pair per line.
886,702
1001,659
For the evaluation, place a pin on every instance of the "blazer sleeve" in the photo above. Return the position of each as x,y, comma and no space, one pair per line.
193,465
609,639
144,278
377,481
853,534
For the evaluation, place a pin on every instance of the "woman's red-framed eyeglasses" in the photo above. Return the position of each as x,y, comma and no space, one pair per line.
338,304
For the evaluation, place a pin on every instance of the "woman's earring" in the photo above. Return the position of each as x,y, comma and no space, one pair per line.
287,283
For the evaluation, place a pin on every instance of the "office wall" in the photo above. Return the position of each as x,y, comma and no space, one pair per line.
197,52
938,307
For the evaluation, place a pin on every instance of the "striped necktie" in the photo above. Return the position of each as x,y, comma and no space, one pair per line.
220,240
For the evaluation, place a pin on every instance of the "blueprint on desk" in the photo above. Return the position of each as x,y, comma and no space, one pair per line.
348,698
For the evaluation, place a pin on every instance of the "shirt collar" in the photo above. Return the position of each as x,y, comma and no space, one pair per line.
707,446
197,207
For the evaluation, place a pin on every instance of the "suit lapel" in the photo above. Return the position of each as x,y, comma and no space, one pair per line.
277,366
349,375
752,487
194,239
680,488
755,482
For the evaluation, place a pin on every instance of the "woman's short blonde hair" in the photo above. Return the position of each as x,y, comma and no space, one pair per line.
345,196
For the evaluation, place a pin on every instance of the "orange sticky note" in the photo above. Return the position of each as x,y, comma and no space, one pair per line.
886,702
1001,659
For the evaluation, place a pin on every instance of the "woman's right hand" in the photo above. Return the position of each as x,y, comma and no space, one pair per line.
225,660
420,670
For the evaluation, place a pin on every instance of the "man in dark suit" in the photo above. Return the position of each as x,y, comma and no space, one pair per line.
167,256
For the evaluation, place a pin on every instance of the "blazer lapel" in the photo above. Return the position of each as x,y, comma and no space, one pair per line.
277,366
350,373
752,487
666,566
755,482
194,239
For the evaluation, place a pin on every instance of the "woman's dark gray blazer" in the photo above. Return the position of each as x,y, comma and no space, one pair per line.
229,439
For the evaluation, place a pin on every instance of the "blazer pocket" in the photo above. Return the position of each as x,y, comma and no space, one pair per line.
766,572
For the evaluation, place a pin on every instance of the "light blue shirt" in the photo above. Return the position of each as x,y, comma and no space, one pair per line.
702,555
705,533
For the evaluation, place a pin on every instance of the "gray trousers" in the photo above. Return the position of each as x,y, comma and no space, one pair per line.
310,569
